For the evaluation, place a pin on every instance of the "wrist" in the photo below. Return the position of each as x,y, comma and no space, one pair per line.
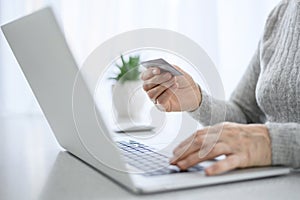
263,132
198,98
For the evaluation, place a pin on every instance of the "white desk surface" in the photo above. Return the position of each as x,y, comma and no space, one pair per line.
33,166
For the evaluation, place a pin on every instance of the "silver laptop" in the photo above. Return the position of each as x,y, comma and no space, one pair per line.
45,58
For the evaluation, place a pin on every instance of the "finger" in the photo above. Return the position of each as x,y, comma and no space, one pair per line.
200,144
191,144
190,139
212,138
209,130
158,90
149,73
156,80
183,81
194,158
164,97
191,160
231,162
185,151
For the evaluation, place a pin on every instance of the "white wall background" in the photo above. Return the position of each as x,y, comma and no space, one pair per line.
228,30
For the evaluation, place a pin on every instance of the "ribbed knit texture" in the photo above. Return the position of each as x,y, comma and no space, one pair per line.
269,91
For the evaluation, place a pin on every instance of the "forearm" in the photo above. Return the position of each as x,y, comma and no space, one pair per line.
212,111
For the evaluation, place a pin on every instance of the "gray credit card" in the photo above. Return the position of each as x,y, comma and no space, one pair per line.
163,65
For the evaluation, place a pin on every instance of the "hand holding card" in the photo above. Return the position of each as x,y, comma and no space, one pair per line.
170,88
163,65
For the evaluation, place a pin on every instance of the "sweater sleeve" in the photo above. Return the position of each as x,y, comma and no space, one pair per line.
285,143
242,106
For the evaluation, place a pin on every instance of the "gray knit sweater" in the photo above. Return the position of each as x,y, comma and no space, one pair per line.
269,91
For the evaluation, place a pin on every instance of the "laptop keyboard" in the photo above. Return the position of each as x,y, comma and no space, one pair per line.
146,159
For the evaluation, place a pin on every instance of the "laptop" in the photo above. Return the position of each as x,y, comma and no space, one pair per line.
63,95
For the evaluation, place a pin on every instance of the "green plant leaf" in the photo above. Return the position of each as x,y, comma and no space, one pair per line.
129,70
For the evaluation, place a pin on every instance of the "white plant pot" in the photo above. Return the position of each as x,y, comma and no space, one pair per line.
128,100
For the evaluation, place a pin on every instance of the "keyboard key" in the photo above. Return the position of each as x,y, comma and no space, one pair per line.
146,159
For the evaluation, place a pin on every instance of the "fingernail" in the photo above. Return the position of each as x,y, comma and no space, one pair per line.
155,71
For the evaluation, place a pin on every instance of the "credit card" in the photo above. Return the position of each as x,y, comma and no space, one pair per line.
163,65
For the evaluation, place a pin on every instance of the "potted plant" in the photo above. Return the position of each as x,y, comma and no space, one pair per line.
128,96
